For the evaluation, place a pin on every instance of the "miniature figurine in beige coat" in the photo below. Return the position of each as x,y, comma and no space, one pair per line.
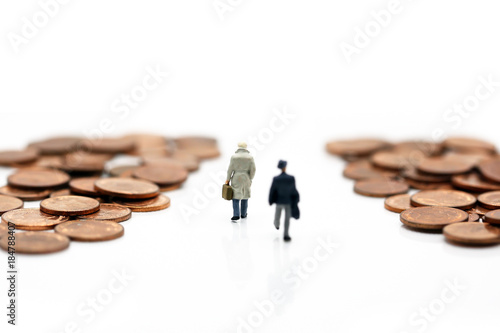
241,172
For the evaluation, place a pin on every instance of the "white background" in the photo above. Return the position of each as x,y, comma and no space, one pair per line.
201,273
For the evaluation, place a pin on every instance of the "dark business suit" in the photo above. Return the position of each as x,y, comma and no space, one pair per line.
284,194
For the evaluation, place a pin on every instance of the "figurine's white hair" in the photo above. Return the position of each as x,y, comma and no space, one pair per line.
242,145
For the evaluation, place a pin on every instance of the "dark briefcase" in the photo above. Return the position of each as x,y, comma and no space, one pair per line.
227,192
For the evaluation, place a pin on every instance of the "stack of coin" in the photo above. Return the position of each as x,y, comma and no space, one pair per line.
447,187
83,199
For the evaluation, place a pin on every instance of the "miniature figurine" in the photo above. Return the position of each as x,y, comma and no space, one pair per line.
241,172
286,197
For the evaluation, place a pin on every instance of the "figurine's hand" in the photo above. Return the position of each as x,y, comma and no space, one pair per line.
227,182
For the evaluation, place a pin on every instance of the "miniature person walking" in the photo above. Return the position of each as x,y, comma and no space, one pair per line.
241,172
286,197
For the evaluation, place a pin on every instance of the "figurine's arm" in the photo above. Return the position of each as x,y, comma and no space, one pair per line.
230,171
252,169
272,193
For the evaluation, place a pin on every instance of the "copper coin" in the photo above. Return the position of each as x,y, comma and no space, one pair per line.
36,242
4,230
418,148
151,145
84,186
490,169
445,165
428,186
392,160
38,178
8,203
398,203
433,218
60,193
56,146
414,174
479,210
26,195
84,162
356,147
150,205
445,198
475,158
162,175
490,200
32,219
70,205
472,233
109,212
468,144
474,217
170,187
474,182
202,152
11,157
189,161
119,170
127,188
492,217
195,141
90,230
364,169
108,145
380,187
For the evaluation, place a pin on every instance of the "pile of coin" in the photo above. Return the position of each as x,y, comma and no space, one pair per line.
84,195
451,186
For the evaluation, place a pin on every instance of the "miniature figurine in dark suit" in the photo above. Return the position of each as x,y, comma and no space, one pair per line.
286,197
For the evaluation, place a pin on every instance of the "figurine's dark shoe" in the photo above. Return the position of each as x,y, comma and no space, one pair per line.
244,216
277,227
235,218
287,238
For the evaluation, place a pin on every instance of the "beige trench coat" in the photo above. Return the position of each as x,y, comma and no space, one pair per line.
241,172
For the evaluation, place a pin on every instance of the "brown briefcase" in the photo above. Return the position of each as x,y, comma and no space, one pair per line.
227,192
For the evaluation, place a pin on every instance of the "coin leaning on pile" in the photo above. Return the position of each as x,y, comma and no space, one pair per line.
451,186
84,192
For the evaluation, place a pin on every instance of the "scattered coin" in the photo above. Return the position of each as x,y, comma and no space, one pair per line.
472,233
479,210
3,230
189,161
26,195
416,149
90,230
492,217
202,153
11,157
70,205
490,200
474,217
490,169
108,145
445,165
84,186
162,175
445,198
414,174
150,205
474,182
398,203
364,169
84,162
380,187
432,218
38,178
356,147
60,193
109,212
56,146
119,170
32,219
127,188
8,203
428,186
468,144
36,242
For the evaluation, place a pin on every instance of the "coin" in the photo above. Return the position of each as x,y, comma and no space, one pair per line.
37,242
11,157
170,187
479,210
474,182
490,169
56,146
70,205
468,144
428,186
363,169
492,217
472,233
446,198
84,186
445,165
8,203
150,205
84,162
38,178
127,188
432,218
417,148
32,219
355,147
151,145
162,175
189,161
119,170
474,217
109,212
108,145
391,160
397,203
60,193
90,230
414,174
380,187
490,200
26,195
203,153
4,230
